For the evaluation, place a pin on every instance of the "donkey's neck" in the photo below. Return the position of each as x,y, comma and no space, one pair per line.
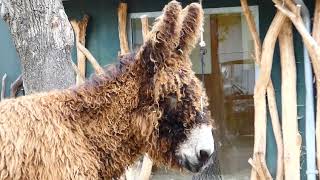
104,111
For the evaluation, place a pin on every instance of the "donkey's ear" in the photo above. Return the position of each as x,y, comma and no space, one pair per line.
164,36
191,27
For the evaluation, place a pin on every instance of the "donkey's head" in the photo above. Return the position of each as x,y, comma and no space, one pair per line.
182,136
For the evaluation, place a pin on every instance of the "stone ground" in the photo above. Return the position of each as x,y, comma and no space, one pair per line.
233,159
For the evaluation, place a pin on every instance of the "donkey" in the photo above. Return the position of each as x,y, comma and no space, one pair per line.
154,104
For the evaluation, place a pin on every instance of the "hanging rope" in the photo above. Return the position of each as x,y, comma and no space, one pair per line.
212,171
203,52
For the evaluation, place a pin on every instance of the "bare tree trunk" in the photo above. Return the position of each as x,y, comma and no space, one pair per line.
43,38
291,136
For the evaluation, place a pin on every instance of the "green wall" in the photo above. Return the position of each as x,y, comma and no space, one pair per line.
102,33
9,60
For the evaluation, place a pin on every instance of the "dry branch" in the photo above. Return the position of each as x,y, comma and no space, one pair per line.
271,99
122,18
98,69
79,28
253,30
313,50
316,36
259,96
3,87
272,105
16,86
291,136
145,26
80,78
316,23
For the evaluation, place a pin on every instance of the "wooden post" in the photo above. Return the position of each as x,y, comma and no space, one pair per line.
312,45
145,26
79,28
259,168
98,69
316,36
290,131
259,164
80,78
122,18
3,87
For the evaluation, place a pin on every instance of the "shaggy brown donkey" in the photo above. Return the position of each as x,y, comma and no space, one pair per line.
154,104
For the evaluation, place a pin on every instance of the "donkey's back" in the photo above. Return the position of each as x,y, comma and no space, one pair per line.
37,143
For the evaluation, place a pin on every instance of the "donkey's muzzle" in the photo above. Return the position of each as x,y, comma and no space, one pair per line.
195,167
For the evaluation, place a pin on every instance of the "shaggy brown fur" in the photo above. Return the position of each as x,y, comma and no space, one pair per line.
97,129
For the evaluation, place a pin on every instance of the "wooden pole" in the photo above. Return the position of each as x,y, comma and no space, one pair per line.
260,91
313,47
3,87
79,28
122,18
93,61
81,78
145,26
290,131
316,36
271,98
252,29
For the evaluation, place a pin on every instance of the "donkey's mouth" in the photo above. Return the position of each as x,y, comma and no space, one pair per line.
192,167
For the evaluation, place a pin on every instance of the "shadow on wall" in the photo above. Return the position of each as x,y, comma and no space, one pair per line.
9,60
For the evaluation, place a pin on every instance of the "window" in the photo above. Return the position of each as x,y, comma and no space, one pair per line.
230,74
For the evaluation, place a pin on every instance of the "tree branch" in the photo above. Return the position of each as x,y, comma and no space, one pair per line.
260,92
16,86
93,61
79,28
290,129
316,36
81,78
314,52
252,29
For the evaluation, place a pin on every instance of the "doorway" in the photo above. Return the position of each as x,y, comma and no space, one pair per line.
229,77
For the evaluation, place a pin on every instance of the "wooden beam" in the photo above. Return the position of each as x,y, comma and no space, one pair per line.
122,18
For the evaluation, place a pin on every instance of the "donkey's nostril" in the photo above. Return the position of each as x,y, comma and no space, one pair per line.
204,155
